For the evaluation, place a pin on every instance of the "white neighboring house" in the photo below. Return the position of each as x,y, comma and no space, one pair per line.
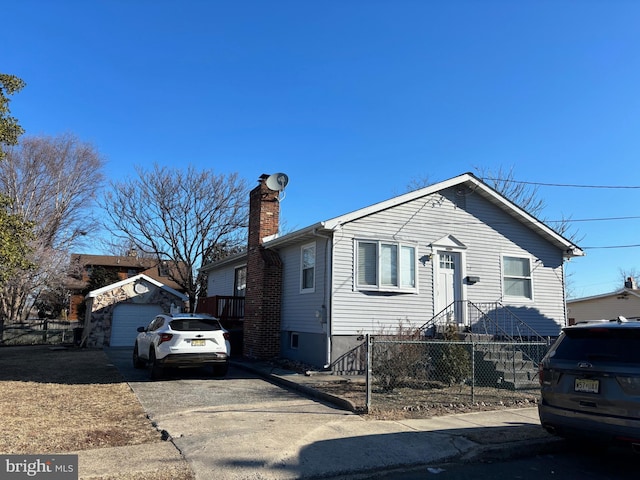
453,250
607,306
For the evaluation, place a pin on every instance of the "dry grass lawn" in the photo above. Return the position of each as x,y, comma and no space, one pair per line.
64,400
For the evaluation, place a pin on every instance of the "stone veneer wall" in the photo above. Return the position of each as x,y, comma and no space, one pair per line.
99,322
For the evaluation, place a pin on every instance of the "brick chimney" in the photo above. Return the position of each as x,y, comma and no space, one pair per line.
264,276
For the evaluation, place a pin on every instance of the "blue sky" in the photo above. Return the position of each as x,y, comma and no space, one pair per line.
352,99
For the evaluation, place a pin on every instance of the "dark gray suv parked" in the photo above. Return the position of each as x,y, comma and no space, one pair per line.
590,383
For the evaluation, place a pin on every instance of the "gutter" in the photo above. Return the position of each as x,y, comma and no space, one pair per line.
328,298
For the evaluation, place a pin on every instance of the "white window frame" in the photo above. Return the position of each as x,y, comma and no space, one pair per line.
398,264
303,249
528,278
236,271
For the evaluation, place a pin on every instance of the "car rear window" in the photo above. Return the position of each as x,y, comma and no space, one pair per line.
606,344
195,324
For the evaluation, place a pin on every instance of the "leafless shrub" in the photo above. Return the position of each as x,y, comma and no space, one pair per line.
396,364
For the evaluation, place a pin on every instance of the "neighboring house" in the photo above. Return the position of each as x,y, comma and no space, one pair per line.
114,312
122,267
441,253
608,306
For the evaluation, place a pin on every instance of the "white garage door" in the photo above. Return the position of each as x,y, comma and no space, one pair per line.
126,320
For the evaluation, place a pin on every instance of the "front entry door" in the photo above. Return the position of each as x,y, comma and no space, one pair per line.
448,286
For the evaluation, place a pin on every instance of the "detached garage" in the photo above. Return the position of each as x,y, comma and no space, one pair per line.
126,319
116,311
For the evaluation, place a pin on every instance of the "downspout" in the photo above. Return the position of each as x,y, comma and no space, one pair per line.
328,297
564,295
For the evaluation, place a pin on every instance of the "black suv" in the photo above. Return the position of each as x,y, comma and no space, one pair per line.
590,383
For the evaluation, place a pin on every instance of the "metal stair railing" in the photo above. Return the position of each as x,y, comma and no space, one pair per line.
486,318
494,319
491,319
443,318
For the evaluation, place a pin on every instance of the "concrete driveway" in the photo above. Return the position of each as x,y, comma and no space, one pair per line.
243,427
240,426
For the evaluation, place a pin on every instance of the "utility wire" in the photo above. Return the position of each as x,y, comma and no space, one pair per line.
569,185
507,180
610,246
603,219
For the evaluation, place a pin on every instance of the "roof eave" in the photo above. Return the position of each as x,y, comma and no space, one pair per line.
99,291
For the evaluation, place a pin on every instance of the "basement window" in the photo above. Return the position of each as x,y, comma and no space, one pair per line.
294,339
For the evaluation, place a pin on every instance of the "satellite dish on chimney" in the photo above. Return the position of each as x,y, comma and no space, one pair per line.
277,182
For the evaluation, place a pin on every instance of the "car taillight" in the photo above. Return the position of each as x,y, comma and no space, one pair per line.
540,374
226,335
630,385
164,337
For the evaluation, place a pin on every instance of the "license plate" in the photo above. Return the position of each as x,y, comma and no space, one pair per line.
197,343
587,385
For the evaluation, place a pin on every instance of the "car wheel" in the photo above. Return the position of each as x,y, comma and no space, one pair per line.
155,370
220,370
137,361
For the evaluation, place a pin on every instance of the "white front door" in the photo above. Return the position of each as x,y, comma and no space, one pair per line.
448,285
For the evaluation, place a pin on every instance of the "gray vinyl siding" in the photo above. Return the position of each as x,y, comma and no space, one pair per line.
487,232
298,310
312,348
221,281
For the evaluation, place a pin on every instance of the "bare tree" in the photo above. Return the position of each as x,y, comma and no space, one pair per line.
52,182
418,183
629,274
122,247
188,217
526,196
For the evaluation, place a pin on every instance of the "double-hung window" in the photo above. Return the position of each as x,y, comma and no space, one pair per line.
240,281
517,278
308,268
385,266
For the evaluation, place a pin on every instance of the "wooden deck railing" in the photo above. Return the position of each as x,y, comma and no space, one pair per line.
222,306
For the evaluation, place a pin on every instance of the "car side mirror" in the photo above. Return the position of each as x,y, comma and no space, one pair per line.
142,329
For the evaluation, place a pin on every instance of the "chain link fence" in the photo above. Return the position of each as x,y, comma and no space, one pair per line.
410,374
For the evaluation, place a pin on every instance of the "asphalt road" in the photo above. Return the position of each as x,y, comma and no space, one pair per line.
570,463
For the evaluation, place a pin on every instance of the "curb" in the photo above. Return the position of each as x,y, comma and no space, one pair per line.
513,450
141,459
339,402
